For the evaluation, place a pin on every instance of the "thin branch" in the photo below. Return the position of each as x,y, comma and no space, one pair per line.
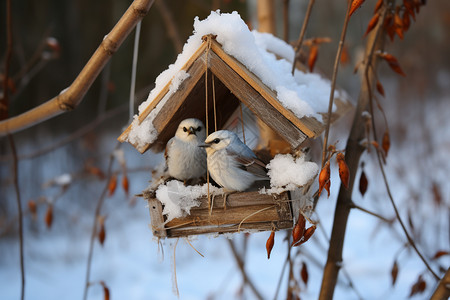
4,101
397,214
94,227
240,264
71,97
286,21
169,22
333,82
19,206
353,205
298,46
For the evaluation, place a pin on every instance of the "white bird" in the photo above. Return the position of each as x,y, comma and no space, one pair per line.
231,163
184,158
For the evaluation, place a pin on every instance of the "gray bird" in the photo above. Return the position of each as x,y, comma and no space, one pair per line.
231,163
185,160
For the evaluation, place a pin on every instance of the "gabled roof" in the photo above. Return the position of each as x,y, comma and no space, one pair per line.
229,82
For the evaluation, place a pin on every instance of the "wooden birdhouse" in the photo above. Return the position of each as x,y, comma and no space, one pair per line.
214,85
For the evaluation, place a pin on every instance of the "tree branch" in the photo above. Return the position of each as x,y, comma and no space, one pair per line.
240,264
70,98
443,289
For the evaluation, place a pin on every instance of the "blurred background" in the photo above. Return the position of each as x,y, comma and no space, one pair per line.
62,161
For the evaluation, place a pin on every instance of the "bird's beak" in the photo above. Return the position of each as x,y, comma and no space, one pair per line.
191,130
204,145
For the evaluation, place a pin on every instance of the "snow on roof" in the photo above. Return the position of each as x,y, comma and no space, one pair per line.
305,94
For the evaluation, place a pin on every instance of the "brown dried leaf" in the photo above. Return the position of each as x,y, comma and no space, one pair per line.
380,88
363,183
440,253
409,7
355,5
95,171
313,52
304,273
418,287
345,57
398,21
437,196
386,142
372,23
308,233
324,176
394,272
269,244
112,184
393,63
406,21
101,232
344,173
49,216
299,229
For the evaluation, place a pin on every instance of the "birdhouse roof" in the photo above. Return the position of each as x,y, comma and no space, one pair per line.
222,64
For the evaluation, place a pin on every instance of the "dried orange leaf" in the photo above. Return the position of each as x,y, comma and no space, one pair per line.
101,232
363,183
372,23
393,63
308,233
125,183
344,173
95,171
105,290
269,244
345,57
380,88
355,5
440,253
398,21
394,272
112,184
324,176
378,6
32,207
406,21
304,273
437,195
299,229
49,216
313,52
409,7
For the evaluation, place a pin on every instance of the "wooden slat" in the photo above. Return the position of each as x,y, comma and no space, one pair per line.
255,101
310,126
237,200
267,226
156,218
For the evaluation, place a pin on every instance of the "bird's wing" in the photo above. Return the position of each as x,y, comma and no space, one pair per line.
251,164
168,145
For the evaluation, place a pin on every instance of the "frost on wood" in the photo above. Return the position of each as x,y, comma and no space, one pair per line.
178,199
305,94
288,173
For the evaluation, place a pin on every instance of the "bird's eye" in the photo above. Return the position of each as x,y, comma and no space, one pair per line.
216,141
199,128
184,129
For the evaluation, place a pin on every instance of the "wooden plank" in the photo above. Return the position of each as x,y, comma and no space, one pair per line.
238,200
255,101
231,215
156,218
266,226
163,92
310,126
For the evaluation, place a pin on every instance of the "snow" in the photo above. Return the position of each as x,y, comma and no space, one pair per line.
305,94
178,199
288,173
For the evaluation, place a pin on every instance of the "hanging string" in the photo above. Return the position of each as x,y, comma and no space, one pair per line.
207,117
242,121
214,102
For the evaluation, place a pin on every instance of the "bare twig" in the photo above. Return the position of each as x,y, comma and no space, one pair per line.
19,206
286,21
353,153
333,82
94,226
169,22
353,205
298,46
4,101
70,98
240,264
133,72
